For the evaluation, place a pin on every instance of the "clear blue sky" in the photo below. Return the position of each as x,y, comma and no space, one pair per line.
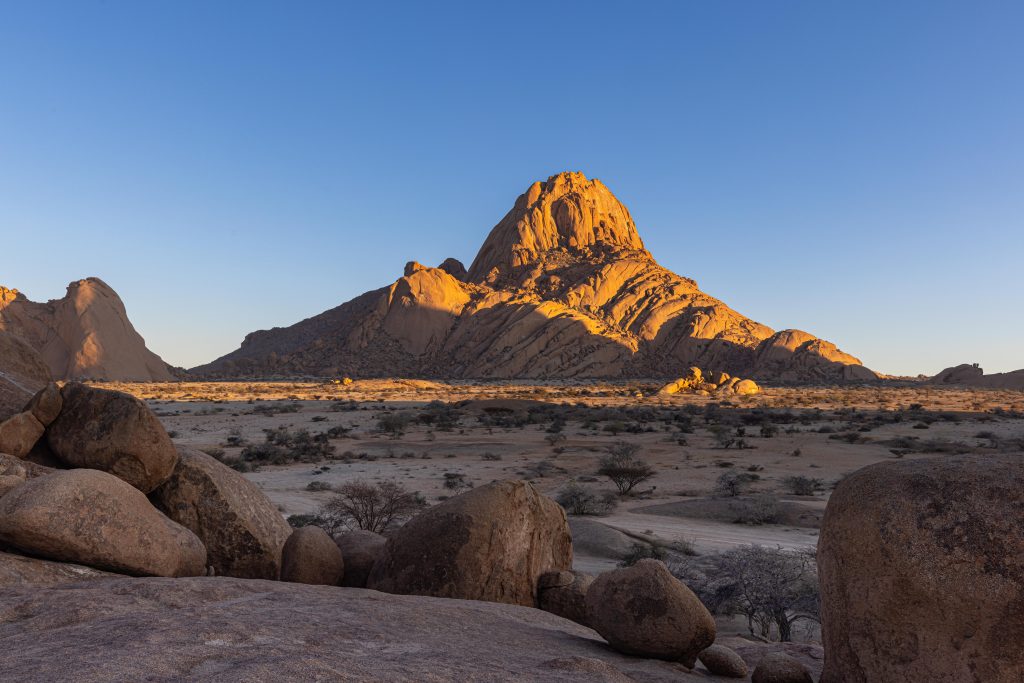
852,169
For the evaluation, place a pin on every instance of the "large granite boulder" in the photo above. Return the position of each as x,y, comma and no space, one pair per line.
360,550
23,372
311,556
19,434
922,572
643,610
93,518
114,432
242,530
492,543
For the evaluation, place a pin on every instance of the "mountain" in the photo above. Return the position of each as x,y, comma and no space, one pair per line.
972,376
562,287
84,335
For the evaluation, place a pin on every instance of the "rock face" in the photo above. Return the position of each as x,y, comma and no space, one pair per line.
22,371
360,551
221,629
311,556
93,518
973,376
19,434
921,572
85,335
643,610
113,432
562,287
492,543
723,661
565,594
242,530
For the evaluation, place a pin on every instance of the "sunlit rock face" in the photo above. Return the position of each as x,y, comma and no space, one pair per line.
84,335
562,287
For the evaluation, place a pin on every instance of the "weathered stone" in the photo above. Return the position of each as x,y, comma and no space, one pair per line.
746,387
491,543
23,371
46,404
19,434
778,667
311,556
643,610
242,530
921,572
113,432
722,661
360,550
96,519
18,570
565,594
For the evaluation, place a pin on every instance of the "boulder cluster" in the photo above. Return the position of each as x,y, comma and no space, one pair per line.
717,383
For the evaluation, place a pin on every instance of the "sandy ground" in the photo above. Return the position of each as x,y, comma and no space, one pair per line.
504,430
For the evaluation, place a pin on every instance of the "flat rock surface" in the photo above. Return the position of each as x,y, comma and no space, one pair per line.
222,629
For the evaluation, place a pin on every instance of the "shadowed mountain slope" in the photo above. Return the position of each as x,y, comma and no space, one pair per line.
563,287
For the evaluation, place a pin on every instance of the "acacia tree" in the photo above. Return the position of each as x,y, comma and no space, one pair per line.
368,506
623,468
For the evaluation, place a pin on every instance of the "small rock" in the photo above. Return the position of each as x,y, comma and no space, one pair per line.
722,661
46,404
779,667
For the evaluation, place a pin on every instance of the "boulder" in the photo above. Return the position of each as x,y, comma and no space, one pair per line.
360,550
722,661
921,572
311,556
23,371
643,610
19,434
14,471
491,543
242,530
778,667
46,404
746,387
93,518
18,570
114,432
565,594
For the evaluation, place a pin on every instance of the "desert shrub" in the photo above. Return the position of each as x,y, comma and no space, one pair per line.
393,424
578,500
372,507
643,551
297,521
623,468
214,452
318,486
268,409
756,510
456,481
338,432
731,484
284,445
800,485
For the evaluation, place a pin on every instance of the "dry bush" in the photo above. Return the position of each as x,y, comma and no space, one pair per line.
369,506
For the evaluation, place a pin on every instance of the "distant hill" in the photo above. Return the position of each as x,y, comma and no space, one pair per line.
563,287
972,376
84,335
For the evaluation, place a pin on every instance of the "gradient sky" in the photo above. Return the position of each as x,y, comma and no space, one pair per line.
852,169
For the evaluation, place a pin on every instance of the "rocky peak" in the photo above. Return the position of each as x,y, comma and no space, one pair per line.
567,213
9,295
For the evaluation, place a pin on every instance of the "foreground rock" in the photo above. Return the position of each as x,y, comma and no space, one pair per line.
113,432
723,661
18,570
46,405
92,518
643,610
360,550
19,434
242,530
221,629
492,543
921,572
311,556
23,372
778,667
565,594
14,471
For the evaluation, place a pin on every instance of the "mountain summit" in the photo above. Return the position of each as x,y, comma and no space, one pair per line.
562,287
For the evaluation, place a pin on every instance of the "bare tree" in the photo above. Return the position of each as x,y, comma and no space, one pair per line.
623,468
368,506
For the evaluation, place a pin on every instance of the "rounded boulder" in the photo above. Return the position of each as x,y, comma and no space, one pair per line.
778,667
723,661
360,550
311,556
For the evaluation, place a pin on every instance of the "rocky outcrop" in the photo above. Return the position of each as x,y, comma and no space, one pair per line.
221,629
921,572
562,287
973,376
311,556
643,610
492,543
93,518
84,335
22,372
114,432
242,530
